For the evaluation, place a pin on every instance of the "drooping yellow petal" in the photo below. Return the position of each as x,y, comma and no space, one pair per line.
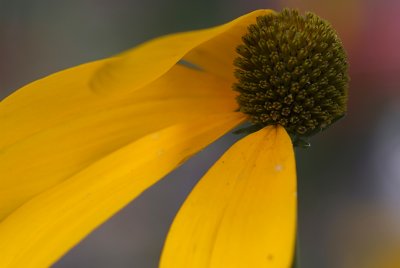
66,95
242,213
212,49
44,228
71,93
217,54
59,150
59,97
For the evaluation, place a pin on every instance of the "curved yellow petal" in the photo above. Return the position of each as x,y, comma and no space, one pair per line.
53,154
212,49
217,54
39,232
48,101
242,213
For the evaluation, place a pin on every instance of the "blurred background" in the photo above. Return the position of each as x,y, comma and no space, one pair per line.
349,180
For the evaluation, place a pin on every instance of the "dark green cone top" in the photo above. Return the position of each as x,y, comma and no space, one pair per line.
292,71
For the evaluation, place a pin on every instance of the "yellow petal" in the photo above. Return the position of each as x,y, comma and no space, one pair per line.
144,64
59,150
217,54
48,101
44,228
242,213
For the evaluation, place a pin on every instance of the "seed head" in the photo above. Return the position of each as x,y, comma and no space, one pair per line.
292,71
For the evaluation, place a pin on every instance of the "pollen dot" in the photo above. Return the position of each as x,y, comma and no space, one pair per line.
278,168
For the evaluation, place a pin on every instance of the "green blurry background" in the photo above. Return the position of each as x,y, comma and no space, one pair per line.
349,180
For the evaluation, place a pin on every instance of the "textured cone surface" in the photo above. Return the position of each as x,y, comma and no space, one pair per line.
292,71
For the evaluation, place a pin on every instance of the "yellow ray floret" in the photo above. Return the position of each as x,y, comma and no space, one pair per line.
44,228
242,213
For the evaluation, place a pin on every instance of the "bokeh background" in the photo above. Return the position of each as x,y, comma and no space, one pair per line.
349,180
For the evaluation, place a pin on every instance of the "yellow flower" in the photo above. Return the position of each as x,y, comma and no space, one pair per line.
77,146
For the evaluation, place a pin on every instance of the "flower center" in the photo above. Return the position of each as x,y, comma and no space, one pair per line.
292,71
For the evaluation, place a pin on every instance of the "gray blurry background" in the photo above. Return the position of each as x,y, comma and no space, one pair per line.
349,180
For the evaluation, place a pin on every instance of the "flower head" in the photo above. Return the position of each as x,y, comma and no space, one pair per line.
292,71
77,146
